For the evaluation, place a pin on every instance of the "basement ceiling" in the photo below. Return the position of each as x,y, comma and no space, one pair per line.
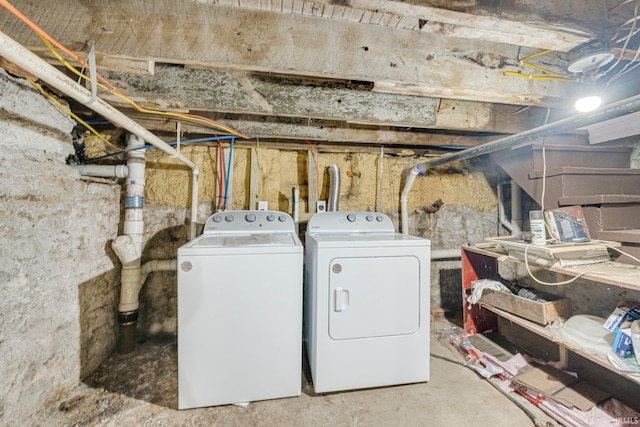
426,74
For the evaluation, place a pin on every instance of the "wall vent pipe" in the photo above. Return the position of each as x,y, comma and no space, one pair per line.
334,190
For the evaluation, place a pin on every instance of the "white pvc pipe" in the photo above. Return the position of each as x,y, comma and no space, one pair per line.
515,225
380,178
133,227
103,171
404,197
516,209
22,57
502,217
446,253
156,265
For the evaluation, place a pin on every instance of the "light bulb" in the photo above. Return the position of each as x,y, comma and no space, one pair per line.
588,103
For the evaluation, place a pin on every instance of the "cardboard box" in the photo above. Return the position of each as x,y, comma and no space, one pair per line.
538,312
622,345
622,317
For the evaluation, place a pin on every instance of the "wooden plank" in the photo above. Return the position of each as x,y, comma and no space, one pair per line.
300,129
546,24
229,91
429,64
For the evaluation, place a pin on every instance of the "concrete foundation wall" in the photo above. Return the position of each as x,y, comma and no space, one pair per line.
53,233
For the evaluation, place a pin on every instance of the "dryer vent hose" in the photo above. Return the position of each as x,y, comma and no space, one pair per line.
334,193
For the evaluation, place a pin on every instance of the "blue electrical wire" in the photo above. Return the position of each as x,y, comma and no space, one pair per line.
226,185
147,147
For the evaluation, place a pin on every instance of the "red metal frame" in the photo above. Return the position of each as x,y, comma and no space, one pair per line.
477,266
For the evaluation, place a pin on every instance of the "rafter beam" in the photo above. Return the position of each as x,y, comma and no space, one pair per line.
289,129
303,45
187,89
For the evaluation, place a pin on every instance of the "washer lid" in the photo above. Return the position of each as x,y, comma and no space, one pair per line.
245,240
340,240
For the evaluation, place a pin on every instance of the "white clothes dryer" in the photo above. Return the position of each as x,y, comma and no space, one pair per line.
240,310
366,302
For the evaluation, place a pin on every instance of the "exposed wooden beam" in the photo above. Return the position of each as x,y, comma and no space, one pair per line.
299,44
236,92
543,24
289,129
222,91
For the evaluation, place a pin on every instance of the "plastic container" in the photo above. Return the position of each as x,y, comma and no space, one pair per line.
585,332
538,232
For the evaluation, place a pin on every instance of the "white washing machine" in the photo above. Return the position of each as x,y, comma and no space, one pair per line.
366,302
240,310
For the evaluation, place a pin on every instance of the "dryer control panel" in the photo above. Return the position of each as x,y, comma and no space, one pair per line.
350,222
249,221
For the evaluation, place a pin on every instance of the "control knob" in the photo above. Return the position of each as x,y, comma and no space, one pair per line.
217,218
229,218
351,217
250,217
282,218
271,218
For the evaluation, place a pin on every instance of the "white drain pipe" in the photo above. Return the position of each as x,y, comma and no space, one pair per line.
103,171
129,246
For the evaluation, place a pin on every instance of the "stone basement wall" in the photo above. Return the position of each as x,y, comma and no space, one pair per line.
57,310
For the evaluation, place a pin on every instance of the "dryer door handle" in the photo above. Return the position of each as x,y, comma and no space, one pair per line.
341,299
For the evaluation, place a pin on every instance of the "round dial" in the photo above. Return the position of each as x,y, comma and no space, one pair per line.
229,218
217,218
250,217
351,217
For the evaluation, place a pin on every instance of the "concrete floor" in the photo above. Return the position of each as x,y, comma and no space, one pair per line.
141,390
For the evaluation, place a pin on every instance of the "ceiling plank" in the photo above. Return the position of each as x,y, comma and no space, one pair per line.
218,36
546,24
289,129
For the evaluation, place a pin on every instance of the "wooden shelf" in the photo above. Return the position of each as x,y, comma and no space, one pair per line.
544,332
611,273
482,261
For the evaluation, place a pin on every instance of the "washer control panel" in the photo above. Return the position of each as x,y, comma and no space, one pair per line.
249,221
350,222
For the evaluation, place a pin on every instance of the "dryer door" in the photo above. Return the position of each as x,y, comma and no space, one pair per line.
373,296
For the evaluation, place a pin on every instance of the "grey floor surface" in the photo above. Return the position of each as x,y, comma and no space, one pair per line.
141,390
